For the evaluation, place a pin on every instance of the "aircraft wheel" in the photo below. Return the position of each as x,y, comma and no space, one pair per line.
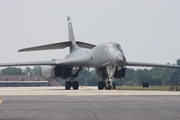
67,85
75,85
100,85
114,86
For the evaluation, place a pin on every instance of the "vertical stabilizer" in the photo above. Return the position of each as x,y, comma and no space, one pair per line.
71,35
70,30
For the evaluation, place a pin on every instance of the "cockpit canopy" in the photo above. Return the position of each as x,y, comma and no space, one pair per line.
113,47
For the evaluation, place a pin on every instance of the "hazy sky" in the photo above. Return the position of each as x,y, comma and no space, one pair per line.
148,30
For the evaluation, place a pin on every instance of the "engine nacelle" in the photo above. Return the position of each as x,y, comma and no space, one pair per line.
120,73
102,73
63,72
49,71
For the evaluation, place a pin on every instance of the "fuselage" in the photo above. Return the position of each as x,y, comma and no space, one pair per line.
104,54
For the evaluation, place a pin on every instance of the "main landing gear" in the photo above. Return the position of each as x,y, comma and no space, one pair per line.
107,82
71,82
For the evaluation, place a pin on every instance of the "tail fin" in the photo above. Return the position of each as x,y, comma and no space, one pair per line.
70,30
71,35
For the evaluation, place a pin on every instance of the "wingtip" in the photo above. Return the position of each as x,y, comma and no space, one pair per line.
68,18
20,50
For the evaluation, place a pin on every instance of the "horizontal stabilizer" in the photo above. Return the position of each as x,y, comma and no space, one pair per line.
60,45
85,45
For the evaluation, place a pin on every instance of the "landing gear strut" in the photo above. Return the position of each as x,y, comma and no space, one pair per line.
107,82
71,82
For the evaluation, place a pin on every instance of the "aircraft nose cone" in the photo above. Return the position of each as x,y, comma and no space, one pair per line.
120,60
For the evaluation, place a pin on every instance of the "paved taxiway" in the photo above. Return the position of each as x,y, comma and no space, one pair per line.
54,103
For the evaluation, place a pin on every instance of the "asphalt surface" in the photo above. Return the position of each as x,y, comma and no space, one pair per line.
89,107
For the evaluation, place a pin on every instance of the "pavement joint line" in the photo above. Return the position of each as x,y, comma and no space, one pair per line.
1,101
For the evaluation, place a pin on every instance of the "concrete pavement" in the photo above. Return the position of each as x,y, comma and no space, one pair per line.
87,104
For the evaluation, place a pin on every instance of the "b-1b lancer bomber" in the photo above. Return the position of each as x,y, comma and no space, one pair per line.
107,58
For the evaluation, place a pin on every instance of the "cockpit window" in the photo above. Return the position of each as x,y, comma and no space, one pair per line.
111,47
119,48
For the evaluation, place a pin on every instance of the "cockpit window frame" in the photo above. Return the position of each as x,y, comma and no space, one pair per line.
114,47
118,46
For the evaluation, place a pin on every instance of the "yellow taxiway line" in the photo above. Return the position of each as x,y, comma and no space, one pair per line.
1,101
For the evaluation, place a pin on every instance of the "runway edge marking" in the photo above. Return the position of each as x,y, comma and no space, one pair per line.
1,101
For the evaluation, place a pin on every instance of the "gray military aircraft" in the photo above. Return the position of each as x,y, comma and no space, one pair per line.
107,58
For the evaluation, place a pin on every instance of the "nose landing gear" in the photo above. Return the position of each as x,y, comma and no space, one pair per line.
107,82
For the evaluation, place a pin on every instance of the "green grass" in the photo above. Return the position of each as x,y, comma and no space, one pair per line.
152,88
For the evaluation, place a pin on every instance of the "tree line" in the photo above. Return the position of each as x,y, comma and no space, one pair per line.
36,70
134,77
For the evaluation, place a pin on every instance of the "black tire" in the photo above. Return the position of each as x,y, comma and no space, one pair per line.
114,86
75,85
67,85
177,88
100,85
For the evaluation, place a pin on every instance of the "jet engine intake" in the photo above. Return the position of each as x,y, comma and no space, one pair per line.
102,73
119,73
